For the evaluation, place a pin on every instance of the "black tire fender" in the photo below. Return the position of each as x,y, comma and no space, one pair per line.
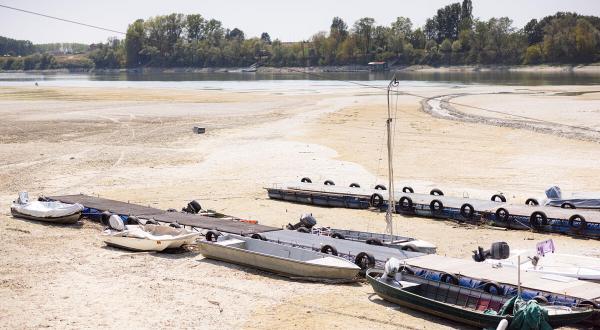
488,286
258,236
306,180
408,190
577,218
538,219
364,260
467,210
436,206
406,269
501,198
540,299
376,200
406,203
303,230
532,202
380,187
586,303
174,225
329,249
338,236
354,185
409,248
374,241
212,235
502,215
567,205
449,278
329,183
436,192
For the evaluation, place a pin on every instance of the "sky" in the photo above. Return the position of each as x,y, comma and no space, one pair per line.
285,20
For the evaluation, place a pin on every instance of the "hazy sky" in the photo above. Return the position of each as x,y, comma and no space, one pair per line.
291,21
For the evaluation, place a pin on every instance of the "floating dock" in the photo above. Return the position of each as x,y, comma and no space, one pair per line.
573,222
97,205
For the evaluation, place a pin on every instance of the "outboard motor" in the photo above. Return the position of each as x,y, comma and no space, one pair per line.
499,250
391,268
306,220
192,207
23,198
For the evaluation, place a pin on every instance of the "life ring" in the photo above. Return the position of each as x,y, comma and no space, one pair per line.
374,241
380,187
329,183
406,203
538,219
408,190
338,236
448,278
467,210
364,260
532,202
212,235
498,196
436,206
436,192
376,200
258,236
577,218
354,185
329,249
502,215
488,286
306,180
567,206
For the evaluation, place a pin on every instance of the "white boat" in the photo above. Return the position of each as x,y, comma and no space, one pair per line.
587,200
277,258
148,237
550,263
55,212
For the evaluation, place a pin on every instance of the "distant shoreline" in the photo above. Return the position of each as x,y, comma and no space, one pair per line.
584,69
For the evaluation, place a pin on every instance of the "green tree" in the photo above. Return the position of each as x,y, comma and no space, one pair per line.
134,43
266,38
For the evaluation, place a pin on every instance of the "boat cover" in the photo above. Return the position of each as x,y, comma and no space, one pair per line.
47,209
578,200
155,233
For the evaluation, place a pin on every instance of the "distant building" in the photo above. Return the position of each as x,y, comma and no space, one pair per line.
378,66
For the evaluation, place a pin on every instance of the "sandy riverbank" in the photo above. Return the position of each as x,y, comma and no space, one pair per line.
137,145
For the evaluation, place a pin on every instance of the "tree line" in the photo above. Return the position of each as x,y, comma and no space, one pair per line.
451,37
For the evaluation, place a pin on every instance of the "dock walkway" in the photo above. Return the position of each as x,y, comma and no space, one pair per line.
147,212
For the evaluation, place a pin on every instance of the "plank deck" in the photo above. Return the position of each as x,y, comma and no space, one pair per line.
576,288
147,212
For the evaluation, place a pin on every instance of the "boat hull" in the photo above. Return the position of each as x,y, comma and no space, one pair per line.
142,244
455,313
274,264
65,220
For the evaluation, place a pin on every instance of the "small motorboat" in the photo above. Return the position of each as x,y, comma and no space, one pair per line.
545,261
53,211
147,237
277,258
466,305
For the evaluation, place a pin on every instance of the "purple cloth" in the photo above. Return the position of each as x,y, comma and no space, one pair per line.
544,247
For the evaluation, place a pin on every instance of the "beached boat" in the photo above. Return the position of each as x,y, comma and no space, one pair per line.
586,200
277,258
466,305
55,212
391,241
148,237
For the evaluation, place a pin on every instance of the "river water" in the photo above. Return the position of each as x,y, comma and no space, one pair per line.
292,81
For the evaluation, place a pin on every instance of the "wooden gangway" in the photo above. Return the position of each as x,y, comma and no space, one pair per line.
147,212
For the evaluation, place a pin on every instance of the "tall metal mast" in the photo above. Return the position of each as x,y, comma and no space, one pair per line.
388,215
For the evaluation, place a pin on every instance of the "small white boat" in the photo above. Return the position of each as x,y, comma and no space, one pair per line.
55,212
550,263
284,260
148,237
